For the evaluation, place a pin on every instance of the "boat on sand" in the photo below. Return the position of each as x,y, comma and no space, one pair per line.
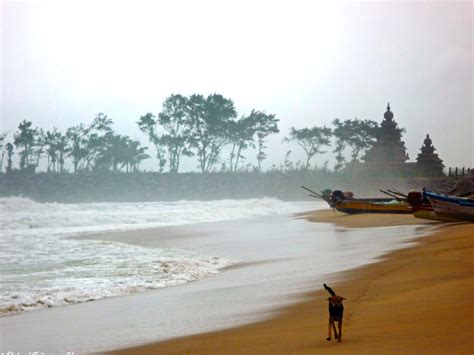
422,207
453,207
346,202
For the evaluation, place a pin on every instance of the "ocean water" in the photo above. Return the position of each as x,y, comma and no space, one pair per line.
43,267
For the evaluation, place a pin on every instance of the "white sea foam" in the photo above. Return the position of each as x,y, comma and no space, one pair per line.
41,267
23,214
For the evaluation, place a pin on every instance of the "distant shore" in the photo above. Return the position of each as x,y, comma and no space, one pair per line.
417,300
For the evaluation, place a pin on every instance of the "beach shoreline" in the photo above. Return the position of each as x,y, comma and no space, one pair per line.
277,259
407,303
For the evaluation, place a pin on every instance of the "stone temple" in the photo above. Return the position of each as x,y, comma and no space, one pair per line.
428,163
388,154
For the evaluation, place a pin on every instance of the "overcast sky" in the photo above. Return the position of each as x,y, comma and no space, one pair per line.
306,61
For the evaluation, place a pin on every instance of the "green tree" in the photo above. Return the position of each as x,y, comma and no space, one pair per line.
97,143
87,143
55,146
265,124
340,134
242,136
149,125
311,140
48,142
9,150
62,149
175,122
27,139
77,150
358,135
134,155
112,151
209,127
121,152
2,140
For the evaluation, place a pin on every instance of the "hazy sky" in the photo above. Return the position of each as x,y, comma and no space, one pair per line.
306,61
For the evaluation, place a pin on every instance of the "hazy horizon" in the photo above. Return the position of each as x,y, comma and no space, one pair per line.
307,62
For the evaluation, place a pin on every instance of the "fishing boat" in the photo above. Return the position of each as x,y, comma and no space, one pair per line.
422,207
446,206
373,205
346,203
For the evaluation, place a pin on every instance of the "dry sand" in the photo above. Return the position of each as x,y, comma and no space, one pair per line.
415,301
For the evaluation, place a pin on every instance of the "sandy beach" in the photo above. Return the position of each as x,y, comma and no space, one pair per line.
416,300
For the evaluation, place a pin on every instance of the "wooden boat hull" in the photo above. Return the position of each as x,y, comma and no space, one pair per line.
452,207
423,209
367,206
431,215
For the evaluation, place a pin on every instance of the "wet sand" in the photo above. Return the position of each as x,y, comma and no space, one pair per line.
417,300
363,220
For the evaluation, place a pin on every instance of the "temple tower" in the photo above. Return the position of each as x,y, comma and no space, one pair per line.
388,154
428,162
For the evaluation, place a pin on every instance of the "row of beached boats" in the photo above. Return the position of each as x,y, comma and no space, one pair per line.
425,204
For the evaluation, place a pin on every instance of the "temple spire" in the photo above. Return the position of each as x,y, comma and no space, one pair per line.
428,161
388,114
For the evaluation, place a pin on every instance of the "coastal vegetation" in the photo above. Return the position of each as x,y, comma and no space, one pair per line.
93,162
208,129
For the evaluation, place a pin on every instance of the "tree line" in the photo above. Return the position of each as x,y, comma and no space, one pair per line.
187,126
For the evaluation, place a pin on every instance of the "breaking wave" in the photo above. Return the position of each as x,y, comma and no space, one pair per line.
41,267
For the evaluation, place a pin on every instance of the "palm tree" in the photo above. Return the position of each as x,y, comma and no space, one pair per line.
27,138
135,154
